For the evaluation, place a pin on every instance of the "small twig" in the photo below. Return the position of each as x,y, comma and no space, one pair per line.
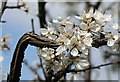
14,7
95,67
61,73
43,68
33,70
3,8
110,53
96,6
88,72
2,21
32,22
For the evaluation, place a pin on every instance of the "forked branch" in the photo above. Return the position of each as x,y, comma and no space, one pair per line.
16,64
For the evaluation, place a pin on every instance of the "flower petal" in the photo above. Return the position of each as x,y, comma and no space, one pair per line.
74,52
84,63
107,17
78,17
115,26
78,66
44,54
83,26
110,42
88,41
115,37
44,31
60,49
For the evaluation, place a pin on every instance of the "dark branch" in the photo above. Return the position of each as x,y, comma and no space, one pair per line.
45,74
2,9
61,73
14,7
95,67
42,14
96,6
33,29
16,64
42,20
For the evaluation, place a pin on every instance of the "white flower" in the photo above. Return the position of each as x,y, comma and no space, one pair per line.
63,39
85,52
115,26
112,38
90,13
93,26
85,15
1,59
115,47
83,26
48,53
88,41
49,32
74,52
44,31
97,16
81,63
75,40
100,18
107,17
62,22
61,49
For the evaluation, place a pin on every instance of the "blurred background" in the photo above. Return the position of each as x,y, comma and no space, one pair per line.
17,21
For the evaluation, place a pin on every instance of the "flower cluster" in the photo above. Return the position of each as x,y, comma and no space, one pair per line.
76,39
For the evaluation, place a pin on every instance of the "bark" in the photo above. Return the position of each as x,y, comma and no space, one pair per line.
42,14
16,64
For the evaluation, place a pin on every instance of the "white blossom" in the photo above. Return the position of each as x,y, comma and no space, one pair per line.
101,18
49,32
60,49
92,27
88,41
115,26
112,38
85,15
75,40
81,63
48,53
74,52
